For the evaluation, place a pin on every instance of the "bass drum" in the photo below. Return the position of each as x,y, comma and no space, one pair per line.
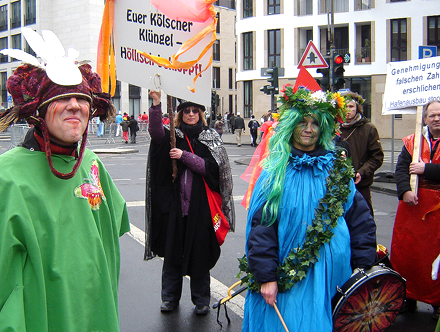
369,301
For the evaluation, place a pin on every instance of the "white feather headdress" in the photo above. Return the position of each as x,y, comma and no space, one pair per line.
62,69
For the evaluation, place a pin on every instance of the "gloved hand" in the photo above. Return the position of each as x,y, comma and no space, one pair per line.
435,266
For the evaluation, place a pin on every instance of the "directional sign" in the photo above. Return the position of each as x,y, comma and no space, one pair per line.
427,51
312,58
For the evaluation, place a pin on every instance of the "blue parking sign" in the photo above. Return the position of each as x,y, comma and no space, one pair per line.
427,51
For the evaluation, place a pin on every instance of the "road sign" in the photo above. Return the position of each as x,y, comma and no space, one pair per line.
427,51
312,58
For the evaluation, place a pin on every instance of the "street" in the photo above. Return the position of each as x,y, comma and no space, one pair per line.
139,293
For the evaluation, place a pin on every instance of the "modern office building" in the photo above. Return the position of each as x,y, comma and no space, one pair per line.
77,24
374,32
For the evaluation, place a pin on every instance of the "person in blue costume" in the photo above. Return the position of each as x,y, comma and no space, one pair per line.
308,228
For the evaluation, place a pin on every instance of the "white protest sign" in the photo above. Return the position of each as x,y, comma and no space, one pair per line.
410,84
140,26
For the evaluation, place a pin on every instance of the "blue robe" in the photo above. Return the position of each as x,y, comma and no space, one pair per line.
307,306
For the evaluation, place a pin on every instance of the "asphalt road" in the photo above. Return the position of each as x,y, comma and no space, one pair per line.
140,280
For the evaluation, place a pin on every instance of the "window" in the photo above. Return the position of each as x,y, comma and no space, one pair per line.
216,77
398,40
117,97
231,104
340,40
363,4
31,12
3,78
273,7
339,6
305,7
231,79
274,48
4,18
363,43
434,32
248,51
16,41
16,14
247,86
218,23
247,8
216,51
305,35
3,44
28,49
134,95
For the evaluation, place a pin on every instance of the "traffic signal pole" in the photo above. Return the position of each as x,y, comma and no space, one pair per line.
331,34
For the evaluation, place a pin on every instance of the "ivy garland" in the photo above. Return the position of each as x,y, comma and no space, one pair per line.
295,266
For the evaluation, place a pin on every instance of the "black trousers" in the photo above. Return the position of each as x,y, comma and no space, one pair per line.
172,280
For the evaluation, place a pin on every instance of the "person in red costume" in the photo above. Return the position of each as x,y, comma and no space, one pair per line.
416,234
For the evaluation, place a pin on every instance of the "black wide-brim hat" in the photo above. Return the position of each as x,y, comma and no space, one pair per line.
188,104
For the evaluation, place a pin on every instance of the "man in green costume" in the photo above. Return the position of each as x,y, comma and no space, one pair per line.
61,215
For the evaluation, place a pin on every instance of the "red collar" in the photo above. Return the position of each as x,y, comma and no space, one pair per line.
57,149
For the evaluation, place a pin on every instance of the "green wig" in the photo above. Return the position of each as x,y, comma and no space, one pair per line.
326,108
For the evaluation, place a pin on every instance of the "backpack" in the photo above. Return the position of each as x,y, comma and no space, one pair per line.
255,125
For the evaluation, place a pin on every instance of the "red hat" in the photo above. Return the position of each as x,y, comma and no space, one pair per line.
34,85
32,90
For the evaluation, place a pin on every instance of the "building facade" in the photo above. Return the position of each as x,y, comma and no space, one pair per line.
77,24
374,32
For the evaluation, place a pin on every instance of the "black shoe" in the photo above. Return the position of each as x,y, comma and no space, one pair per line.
168,306
436,313
201,309
409,305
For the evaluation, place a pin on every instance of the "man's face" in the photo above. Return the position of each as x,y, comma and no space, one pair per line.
432,119
306,134
67,119
351,111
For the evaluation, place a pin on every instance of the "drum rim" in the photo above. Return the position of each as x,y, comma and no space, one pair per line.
377,270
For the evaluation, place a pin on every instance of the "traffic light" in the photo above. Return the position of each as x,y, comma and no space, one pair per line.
273,80
323,82
338,73
214,98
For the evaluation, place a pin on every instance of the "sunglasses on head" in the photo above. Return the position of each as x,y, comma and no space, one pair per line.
187,111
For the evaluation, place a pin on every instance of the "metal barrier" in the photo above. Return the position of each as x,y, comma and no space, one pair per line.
143,132
18,132
110,132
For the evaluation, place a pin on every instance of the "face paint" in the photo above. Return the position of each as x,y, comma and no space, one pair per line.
306,134
67,119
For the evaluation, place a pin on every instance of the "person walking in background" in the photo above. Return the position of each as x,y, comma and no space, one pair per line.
219,126
165,119
134,127
232,122
415,243
124,124
178,217
118,120
253,127
100,130
238,128
365,147
226,121
61,215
